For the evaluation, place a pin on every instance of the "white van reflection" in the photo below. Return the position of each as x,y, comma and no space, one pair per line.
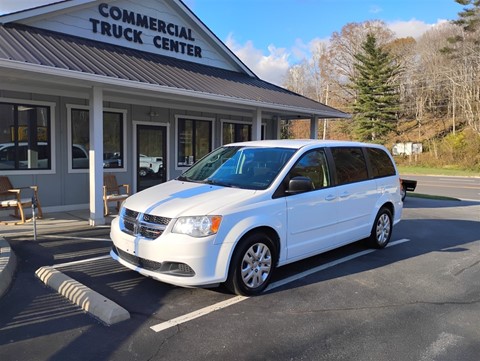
30,158
150,165
27,157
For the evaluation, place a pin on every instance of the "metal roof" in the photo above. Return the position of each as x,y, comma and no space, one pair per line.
29,45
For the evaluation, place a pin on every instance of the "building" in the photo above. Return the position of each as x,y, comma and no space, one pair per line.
141,88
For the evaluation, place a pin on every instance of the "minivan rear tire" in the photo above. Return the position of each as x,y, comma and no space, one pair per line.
252,265
381,229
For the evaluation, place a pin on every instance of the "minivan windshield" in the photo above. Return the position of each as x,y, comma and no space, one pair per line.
239,167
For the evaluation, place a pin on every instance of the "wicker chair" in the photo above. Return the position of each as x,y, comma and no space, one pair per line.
113,192
17,198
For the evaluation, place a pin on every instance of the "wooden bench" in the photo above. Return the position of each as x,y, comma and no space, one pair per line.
16,198
113,192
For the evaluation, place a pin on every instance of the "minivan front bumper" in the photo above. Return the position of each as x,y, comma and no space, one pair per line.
172,258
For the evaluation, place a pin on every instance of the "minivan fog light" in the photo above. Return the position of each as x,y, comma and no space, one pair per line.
198,226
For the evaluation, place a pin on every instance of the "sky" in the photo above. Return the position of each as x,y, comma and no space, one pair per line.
269,36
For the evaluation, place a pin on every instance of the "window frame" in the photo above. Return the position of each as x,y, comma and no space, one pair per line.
52,120
193,118
124,112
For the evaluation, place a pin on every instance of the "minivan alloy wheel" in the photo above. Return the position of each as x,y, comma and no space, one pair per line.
256,265
383,228
252,264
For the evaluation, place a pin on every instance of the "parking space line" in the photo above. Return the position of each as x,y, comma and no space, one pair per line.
199,313
66,264
76,237
328,265
220,305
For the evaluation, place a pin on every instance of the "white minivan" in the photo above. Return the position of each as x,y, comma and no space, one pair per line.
247,208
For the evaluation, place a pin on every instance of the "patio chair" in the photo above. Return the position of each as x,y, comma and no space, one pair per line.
113,192
18,199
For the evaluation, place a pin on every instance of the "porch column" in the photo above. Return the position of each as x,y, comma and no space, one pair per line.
96,156
277,127
257,125
314,127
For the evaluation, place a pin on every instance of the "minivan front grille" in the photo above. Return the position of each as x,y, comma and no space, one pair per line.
155,219
129,213
142,224
137,261
172,268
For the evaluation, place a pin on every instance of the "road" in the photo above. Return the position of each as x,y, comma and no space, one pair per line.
418,299
467,188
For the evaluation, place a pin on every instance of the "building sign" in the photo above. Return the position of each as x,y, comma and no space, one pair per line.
120,23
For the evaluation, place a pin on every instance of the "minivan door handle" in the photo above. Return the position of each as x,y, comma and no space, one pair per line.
344,194
330,197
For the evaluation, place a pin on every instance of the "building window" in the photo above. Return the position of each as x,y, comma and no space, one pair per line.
233,132
236,132
24,137
194,140
113,124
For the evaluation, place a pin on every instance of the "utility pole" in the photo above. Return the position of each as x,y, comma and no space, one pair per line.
325,120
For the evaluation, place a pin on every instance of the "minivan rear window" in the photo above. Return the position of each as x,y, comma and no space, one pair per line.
381,163
350,164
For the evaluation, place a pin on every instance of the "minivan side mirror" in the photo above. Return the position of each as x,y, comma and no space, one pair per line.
299,185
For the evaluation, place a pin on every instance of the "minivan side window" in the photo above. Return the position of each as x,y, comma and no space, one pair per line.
313,165
350,164
381,163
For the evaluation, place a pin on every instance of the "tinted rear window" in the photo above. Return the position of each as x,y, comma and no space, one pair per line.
350,164
381,163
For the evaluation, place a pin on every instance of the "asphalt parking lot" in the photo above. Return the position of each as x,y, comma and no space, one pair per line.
419,299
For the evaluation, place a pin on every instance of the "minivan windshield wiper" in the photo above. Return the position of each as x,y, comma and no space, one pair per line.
219,183
182,178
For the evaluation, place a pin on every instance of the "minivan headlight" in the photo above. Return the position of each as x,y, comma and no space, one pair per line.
198,226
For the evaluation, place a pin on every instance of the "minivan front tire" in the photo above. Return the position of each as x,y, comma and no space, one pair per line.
252,265
382,229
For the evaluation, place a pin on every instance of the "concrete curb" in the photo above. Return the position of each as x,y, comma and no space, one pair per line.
8,263
92,302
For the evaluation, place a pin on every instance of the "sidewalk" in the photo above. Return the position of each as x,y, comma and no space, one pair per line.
50,223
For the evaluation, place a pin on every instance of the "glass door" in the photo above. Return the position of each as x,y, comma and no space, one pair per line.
151,155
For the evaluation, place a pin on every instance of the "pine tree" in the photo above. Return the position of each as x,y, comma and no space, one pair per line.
377,100
469,18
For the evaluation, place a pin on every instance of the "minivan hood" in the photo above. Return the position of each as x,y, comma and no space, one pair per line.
177,198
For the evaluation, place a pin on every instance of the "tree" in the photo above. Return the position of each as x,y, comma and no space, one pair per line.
343,47
463,50
468,66
296,79
377,99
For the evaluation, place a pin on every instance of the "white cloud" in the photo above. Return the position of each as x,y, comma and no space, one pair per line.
272,64
374,9
300,50
414,28
271,67
318,42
